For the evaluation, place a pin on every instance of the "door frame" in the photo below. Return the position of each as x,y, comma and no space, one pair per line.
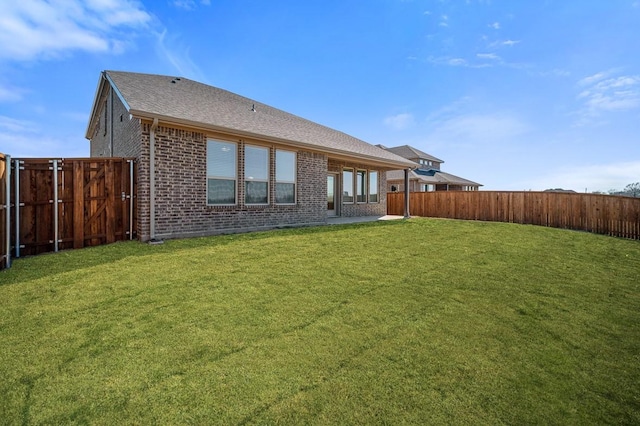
336,195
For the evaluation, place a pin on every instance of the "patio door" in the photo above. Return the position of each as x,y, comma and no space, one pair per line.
332,201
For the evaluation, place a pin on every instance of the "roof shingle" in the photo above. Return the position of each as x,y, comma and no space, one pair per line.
191,102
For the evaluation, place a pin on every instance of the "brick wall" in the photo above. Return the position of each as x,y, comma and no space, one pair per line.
181,190
180,182
113,119
360,209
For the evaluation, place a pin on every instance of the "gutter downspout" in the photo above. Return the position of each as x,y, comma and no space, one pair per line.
111,121
406,194
152,178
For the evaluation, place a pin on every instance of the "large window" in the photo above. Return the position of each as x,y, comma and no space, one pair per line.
256,175
285,177
373,186
221,172
361,186
347,186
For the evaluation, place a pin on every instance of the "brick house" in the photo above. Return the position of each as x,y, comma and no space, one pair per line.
428,176
210,161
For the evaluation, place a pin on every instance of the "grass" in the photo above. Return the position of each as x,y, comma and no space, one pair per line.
419,322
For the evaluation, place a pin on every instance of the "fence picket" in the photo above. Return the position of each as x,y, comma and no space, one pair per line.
597,213
91,208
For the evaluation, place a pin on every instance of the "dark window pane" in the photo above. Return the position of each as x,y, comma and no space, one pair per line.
220,191
285,193
256,193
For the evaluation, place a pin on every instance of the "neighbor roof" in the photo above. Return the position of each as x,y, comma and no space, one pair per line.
190,103
431,176
407,151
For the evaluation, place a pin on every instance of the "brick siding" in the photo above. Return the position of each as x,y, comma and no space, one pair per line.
181,190
181,185
360,209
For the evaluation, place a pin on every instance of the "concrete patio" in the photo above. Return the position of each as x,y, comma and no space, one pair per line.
345,220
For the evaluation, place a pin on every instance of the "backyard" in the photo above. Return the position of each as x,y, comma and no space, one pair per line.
423,321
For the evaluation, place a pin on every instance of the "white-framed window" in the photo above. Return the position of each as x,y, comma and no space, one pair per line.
256,175
347,186
221,172
428,187
373,186
361,186
285,177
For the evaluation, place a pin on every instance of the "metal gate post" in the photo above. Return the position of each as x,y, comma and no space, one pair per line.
17,205
55,205
7,188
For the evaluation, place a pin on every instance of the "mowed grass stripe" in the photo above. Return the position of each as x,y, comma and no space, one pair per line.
419,321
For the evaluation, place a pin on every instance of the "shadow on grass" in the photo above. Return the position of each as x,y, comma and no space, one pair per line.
49,264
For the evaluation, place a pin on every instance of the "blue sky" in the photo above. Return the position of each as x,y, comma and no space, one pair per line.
516,95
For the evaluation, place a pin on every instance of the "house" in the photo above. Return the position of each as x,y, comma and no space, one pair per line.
211,161
427,177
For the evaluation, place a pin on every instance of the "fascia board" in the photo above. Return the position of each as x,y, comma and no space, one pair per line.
333,153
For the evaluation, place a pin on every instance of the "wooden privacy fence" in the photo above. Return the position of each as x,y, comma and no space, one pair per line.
57,204
600,214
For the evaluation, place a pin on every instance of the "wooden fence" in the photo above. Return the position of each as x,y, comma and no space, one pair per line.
57,204
601,214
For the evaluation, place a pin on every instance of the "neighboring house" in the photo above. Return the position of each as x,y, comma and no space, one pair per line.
210,161
427,177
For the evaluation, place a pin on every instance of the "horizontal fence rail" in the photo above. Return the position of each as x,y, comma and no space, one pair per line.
57,204
601,214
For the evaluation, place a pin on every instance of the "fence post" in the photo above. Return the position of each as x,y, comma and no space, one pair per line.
17,205
7,216
55,205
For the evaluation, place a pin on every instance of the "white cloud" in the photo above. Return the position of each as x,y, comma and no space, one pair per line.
492,56
10,94
32,29
189,4
474,128
600,177
179,57
444,21
495,25
502,43
18,138
604,92
399,121
14,125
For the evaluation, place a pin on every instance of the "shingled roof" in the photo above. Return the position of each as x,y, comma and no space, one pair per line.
431,176
407,151
190,103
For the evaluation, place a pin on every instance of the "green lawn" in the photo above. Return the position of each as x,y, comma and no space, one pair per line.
423,321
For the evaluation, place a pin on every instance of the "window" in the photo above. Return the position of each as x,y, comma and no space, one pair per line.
221,172
373,186
285,177
347,186
361,186
256,175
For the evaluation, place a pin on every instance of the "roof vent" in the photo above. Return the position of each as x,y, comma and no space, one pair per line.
253,107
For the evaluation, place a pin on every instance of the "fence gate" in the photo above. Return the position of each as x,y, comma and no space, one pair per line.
59,204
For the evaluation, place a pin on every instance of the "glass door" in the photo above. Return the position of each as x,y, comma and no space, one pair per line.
331,195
